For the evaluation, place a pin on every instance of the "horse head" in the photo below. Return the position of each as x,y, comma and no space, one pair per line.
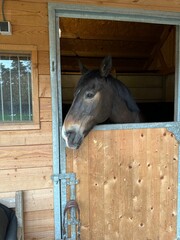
92,104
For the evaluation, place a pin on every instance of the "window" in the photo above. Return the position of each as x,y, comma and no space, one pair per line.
18,87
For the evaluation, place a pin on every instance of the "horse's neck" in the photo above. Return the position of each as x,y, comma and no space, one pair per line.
121,114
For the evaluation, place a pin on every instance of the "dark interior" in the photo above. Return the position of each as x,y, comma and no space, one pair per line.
136,48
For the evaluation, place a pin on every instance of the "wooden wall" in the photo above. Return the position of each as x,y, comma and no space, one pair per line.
128,184
26,156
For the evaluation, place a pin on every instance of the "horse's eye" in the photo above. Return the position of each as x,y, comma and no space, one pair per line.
89,95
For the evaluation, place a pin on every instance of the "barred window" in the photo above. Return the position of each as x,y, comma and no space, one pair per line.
15,88
19,101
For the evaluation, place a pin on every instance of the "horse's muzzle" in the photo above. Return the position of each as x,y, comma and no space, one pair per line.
73,139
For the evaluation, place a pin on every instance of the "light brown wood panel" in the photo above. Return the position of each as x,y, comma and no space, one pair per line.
26,156
25,179
16,138
27,14
111,188
125,177
96,182
45,109
163,5
131,182
44,86
34,200
28,35
38,200
44,64
39,225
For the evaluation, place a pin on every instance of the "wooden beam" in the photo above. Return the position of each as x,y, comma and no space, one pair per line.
100,48
157,47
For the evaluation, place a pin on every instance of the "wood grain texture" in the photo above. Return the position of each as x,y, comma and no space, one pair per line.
129,181
26,156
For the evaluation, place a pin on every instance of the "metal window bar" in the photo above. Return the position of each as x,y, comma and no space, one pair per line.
19,82
11,93
1,82
29,93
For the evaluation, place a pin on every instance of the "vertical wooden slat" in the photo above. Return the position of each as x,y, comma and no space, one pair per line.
125,184
166,194
111,186
96,181
153,175
80,166
128,184
139,184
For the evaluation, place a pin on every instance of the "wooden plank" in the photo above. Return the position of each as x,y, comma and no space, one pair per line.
131,184
153,176
125,182
26,156
45,110
31,137
44,64
141,81
44,86
27,13
164,5
25,179
80,163
120,64
38,200
147,94
111,185
34,200
31,35
168,186
39,225
96,184
99,48
139,184
116,30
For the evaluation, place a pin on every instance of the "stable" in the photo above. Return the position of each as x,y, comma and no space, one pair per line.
123,182
126,174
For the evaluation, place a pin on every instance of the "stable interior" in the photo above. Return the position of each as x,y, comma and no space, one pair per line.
143,58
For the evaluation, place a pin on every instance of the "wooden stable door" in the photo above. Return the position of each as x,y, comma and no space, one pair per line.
128,184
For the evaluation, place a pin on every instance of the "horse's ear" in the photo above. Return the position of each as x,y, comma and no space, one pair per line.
82,68
106,66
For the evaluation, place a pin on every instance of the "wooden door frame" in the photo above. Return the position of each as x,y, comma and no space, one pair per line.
57,10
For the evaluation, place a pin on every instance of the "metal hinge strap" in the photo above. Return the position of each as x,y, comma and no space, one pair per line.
69,180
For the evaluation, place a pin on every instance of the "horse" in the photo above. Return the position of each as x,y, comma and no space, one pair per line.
98,97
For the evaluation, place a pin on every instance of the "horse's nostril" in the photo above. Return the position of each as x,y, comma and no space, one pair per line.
69,132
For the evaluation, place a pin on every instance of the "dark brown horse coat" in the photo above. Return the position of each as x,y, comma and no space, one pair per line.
98,97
